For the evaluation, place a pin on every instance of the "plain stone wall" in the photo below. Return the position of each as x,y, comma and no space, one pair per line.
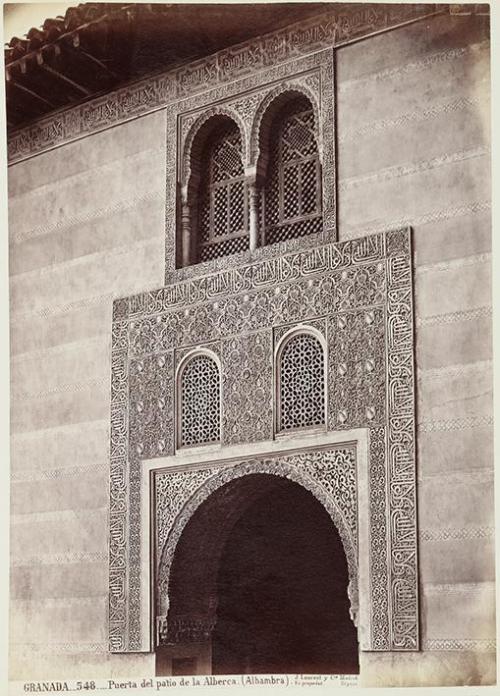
87,225
413,148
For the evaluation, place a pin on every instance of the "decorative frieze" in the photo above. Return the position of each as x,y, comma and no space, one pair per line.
332,28
263,274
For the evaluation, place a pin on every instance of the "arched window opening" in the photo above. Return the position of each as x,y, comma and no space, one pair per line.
222,216
199,402
301,384
291,196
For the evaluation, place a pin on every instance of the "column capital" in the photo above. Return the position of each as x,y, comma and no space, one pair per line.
185,629
251,175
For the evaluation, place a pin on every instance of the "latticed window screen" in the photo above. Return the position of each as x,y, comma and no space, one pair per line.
223,205
291,199
200,402
301,383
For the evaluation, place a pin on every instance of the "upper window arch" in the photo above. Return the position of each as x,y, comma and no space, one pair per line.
245,184
198,400
290,171
301,391
218,195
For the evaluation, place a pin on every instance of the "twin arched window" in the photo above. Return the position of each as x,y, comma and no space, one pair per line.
285,201
300,371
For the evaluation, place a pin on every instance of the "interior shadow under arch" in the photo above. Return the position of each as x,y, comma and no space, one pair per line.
259,585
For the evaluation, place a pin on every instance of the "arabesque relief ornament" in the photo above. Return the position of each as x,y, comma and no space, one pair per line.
360,293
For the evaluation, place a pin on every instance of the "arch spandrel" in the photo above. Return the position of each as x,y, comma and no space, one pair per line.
276,98
201,124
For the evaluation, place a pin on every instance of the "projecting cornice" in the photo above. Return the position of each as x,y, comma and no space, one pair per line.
336,27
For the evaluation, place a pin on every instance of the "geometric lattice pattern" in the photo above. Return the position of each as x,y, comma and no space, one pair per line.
225,248
200,402
223,212
302,383
292,197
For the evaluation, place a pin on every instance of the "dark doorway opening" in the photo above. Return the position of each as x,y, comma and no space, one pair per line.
264,557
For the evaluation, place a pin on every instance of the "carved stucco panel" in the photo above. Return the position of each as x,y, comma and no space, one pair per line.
358,279
280,331
150,434
356,371
247,388
151,428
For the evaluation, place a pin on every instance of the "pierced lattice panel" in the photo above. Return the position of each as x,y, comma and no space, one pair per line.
236,207
219,212
229,246
302,383
292,197
200,402
204,219
291,182
309,184
297,134
223,197
226,154
298,229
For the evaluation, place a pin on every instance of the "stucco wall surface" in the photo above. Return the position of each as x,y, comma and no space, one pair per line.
87,225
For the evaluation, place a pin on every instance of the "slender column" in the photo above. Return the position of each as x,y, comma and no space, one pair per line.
253,194
186,234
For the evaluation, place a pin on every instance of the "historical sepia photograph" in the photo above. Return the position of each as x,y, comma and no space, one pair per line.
251,401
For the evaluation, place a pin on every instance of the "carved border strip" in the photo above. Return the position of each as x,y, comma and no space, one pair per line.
460,645
118,483
333,28
401,453
259,275
379,561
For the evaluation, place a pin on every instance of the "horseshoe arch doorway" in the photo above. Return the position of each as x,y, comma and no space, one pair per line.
259,584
